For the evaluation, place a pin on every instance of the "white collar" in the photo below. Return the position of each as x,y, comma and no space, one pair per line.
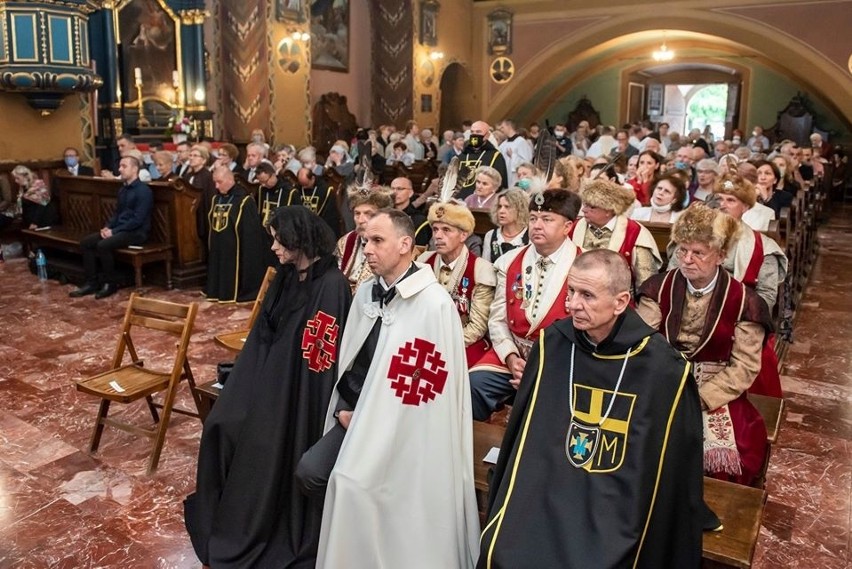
699,292
556,255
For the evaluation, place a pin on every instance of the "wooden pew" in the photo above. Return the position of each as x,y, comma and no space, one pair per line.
86,203
740,508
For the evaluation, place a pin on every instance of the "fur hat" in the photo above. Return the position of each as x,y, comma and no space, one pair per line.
565,203
737,186
703,224
452,214
380,197
606,195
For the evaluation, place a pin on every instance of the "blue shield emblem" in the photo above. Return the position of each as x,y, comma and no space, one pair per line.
581,443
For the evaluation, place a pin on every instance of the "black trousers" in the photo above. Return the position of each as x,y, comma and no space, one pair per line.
97,249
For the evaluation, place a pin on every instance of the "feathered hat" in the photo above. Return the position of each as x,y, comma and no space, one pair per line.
446,209
607,195
380,197
565,203
703,224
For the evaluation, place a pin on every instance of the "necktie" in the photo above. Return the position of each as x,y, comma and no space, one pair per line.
381,295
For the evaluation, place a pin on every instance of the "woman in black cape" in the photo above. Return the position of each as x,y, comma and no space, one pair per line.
247,510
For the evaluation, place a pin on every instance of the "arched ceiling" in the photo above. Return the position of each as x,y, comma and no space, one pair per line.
627,42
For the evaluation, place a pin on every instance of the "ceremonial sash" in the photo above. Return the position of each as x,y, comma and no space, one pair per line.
349,247
750,277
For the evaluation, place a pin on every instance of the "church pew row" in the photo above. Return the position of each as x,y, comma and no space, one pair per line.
86,203
740,508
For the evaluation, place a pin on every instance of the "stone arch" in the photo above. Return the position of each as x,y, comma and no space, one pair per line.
726,34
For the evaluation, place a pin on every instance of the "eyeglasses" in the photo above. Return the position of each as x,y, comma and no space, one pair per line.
682,253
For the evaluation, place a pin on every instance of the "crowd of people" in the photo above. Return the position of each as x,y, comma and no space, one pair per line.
343,435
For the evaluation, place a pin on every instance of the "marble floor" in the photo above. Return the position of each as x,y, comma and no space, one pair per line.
62,507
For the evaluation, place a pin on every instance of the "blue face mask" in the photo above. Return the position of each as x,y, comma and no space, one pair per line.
524,184
71,161
681,165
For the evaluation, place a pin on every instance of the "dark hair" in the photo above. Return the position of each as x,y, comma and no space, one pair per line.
401,222
775,170
126,137
675,179
265,168
299,229
657,158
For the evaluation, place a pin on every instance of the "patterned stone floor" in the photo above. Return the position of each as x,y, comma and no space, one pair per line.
62,507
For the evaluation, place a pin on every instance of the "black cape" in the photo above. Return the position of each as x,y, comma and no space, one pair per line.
641,496
247,510
321,200
236,261
472,158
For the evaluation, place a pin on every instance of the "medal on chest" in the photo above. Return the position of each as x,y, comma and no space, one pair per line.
463,301
528,290
518,287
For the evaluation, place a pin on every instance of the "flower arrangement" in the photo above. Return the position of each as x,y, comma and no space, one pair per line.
180,124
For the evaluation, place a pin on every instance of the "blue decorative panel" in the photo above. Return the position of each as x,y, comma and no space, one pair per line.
59,28
24,37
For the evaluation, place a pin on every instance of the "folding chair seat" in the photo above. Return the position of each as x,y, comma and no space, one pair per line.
236,340
129,382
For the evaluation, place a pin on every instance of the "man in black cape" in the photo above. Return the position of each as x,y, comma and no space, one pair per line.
587,481
236,263
479,152
247,510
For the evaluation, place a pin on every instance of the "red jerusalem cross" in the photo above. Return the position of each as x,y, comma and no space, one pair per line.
319,341
417,372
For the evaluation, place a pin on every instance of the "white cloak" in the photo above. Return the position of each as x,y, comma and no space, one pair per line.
402,492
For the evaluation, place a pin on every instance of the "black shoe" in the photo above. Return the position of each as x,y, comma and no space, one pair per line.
84,290
106,290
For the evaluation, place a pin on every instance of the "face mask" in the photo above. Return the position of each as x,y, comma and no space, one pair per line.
71,161
524,184
559,133
782,171
476,140
736,140
681,165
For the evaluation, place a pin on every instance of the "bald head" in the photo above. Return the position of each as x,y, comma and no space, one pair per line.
481,128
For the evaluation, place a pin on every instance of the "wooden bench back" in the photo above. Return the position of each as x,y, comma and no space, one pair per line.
86,203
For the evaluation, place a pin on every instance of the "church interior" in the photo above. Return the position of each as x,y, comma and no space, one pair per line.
81,73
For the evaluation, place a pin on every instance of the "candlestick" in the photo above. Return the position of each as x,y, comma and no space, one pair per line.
137,73
142,121
175,79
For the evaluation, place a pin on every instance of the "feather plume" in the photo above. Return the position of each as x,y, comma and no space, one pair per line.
448,185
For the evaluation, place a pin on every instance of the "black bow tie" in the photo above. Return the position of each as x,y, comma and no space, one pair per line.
381,295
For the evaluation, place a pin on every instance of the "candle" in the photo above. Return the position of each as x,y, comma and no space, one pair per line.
175,79
138,74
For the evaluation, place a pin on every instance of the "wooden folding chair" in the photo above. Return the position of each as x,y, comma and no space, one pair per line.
236,340
126,383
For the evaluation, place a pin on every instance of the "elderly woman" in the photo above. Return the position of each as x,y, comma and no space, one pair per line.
247,510
34,199
720,325
164,162
706,171
510,213
524,173
768,192
488,181
666,201
228,155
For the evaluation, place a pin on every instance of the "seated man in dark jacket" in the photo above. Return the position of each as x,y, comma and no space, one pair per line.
128,226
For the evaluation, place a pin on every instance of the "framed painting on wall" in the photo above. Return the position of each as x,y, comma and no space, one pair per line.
147,32
500,32
290,10
330,35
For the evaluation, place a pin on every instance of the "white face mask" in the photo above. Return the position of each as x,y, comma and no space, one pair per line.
660,208
558,133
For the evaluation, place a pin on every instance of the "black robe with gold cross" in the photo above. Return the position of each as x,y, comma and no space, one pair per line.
572,489
236,260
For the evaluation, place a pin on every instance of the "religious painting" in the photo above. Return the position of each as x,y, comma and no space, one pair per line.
429,22
330,35
290,10
500,32
147,32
